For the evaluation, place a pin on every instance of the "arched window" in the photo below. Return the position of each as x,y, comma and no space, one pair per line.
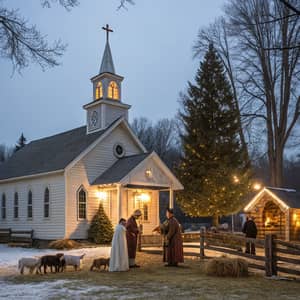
29,205
99,91
16,205
113,90
81,204
46,203
3,206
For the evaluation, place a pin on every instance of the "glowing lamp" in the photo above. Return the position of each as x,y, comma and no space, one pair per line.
236,179
102,195
257,186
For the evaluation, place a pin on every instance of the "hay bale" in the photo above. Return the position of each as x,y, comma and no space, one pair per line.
225,266
64,244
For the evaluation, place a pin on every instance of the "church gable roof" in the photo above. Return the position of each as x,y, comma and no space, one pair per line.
49,154
120,169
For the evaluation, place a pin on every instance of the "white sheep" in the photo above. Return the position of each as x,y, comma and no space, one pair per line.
29,262
73,260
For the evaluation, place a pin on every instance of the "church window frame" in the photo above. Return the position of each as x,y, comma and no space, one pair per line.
113,91
3,206
82,197
47,203
99,90
16,205
144,206
29,205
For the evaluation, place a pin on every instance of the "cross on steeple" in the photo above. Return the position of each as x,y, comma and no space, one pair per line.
108,30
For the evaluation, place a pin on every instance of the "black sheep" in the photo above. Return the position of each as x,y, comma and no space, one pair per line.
57,261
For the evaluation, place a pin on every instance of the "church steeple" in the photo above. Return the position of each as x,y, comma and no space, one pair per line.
107,103
107,64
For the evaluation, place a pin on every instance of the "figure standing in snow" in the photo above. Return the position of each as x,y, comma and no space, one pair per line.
119,253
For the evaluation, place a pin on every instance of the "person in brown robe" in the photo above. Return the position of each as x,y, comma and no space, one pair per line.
131,235
173,241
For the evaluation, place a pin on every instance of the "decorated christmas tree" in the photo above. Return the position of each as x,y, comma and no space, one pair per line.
101,230
214,169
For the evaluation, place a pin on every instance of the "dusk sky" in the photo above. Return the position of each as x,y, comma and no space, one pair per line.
151,47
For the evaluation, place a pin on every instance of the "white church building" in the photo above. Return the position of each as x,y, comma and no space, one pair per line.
54,185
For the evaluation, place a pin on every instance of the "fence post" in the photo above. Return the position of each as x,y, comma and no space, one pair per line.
202,231
139,243
270,257
274,254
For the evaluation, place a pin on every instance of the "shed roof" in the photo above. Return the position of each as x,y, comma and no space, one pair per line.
289,196
286,198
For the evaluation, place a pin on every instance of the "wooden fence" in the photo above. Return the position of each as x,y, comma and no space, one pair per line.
272,255
16,237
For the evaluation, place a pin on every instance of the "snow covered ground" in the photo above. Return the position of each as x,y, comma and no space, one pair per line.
76,289
9,256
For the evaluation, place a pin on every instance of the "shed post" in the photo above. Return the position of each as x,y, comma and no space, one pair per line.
202,233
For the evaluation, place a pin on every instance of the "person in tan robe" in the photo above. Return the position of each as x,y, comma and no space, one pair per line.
173,240
131,235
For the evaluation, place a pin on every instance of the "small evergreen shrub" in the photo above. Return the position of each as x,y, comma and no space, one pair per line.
101,230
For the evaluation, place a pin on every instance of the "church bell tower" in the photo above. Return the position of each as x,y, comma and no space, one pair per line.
107,105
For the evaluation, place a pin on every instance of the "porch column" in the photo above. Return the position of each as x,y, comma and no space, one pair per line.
171,198
119,201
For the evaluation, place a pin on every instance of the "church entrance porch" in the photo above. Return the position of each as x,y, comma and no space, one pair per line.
120,202
134,182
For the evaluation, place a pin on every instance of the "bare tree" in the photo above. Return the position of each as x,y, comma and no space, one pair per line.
5,152
22,43
269,79
256,41
162,137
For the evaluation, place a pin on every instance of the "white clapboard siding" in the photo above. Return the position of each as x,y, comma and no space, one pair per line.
85,172
44,228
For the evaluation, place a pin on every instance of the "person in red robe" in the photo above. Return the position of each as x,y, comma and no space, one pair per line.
173,241
131,235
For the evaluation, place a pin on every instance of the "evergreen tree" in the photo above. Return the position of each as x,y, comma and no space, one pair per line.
21,142
213,169
101,230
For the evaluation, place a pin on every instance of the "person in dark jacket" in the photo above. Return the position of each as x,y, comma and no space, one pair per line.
132,235
250,231
173,250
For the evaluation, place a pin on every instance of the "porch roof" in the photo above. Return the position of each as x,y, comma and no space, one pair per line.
120,169
130,171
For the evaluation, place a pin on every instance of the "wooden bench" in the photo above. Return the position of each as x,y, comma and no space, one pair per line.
5,235
23,238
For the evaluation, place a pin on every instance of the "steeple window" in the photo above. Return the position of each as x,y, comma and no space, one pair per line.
113,91
99,91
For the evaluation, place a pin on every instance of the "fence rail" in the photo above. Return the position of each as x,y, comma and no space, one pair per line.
24,237
278,255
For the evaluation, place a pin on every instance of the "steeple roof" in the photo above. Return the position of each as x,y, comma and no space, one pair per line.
107,64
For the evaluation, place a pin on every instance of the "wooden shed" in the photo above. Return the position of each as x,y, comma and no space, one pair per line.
276,211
